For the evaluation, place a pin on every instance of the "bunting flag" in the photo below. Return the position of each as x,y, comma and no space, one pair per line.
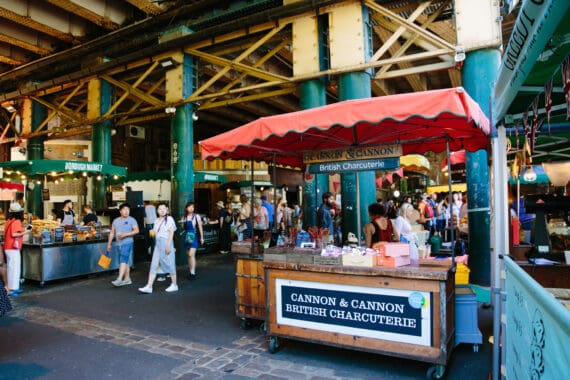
389,178
379,182
565,69
400,172
548,101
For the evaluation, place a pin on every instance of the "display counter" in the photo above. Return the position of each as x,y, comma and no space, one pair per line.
406,312
62,260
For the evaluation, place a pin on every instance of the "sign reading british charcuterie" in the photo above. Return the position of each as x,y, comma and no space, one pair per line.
389,314
354,166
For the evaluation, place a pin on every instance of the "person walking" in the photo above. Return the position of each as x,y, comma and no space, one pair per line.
225,227
163,253
192,224
123,229
13,238
149,219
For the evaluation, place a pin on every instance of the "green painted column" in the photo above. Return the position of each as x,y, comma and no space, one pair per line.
313,94
101,138
36,152
356,86
479,74
182,140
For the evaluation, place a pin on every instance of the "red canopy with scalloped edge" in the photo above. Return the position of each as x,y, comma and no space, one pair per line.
420,121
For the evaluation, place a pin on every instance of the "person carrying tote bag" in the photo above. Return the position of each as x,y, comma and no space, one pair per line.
13,233
192,224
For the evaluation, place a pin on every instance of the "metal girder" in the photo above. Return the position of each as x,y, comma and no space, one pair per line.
87,14
23,44
28,22
261,95
147,6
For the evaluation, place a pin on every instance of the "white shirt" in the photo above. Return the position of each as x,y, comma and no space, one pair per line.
163,226
149,214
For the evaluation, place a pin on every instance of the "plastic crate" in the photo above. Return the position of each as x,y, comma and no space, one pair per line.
462,274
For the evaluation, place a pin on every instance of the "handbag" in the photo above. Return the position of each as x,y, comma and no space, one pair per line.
189,237
104,260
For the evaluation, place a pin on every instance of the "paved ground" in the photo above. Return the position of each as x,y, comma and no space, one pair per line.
83,328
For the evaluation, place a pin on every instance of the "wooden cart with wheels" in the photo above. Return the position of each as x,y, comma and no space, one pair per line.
250,291
405,312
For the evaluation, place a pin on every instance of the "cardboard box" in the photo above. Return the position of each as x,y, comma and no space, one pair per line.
392,249
393,262
359,260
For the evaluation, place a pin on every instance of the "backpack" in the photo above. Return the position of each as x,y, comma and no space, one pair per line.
428,210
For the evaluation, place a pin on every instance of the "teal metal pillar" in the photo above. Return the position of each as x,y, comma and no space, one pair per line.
313,94
36,152
182,141
356,86
479,74
101,139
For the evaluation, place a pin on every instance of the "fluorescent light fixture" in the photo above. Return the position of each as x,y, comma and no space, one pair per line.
168,63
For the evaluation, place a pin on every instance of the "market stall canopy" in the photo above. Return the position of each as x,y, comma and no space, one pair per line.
420,121
456,187
415,162
33,167
164,175
4,185
240,184
455,158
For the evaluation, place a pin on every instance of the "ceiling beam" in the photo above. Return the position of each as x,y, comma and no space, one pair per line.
148,7
85,13
24,45
36,25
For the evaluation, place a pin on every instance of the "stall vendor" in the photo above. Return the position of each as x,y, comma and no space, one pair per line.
66,217
89,218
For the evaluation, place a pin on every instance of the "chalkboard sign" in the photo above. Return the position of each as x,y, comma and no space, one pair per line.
45,194
58,233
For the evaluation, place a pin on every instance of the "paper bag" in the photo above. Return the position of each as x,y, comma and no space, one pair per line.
104,261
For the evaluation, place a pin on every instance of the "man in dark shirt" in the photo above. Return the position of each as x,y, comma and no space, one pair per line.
324,214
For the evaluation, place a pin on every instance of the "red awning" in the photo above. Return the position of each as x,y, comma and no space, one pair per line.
11,186
420,121
455,158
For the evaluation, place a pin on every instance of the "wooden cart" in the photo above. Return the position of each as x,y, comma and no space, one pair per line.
406,312
250,290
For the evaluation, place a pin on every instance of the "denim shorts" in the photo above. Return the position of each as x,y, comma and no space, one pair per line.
125,251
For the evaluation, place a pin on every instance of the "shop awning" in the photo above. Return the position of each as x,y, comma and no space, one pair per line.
419,121
459,187
240,184
4,185
415,163
455,158
33,167
164,175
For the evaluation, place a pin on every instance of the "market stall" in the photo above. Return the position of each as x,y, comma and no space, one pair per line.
439,120
53,252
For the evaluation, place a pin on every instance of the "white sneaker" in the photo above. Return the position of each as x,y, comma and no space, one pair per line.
117,282
147,289
126,282
172,288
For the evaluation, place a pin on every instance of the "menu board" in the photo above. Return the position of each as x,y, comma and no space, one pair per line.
58,233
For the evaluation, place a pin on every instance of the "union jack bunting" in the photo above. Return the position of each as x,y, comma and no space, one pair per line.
548,101
565,69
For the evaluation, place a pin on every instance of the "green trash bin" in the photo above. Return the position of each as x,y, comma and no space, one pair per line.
435,242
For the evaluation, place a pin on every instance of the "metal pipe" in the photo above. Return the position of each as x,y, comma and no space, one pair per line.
450,192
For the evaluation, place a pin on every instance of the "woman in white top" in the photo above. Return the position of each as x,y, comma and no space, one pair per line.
400,225
163,253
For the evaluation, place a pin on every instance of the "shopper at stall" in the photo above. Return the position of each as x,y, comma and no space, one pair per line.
260,219
192,225
226,220
13,237
244,227
66,216
324,213
379,228
89,217
401,228
123,229
163,254
149,219
270,210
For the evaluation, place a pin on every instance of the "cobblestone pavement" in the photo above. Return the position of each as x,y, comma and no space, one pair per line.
209,352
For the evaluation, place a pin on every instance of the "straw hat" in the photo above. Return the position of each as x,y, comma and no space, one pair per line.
15,207
220,204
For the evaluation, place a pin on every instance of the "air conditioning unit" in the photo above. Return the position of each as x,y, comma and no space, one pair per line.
136,132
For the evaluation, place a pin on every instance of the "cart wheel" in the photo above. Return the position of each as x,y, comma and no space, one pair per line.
435,372
273,344
475,348
262,327
245,324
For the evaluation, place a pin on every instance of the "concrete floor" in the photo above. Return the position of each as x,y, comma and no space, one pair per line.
84,328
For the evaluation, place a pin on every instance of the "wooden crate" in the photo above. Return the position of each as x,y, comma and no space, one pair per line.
250,288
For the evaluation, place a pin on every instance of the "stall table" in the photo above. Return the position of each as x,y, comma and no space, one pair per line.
67,259
250,289
405,312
